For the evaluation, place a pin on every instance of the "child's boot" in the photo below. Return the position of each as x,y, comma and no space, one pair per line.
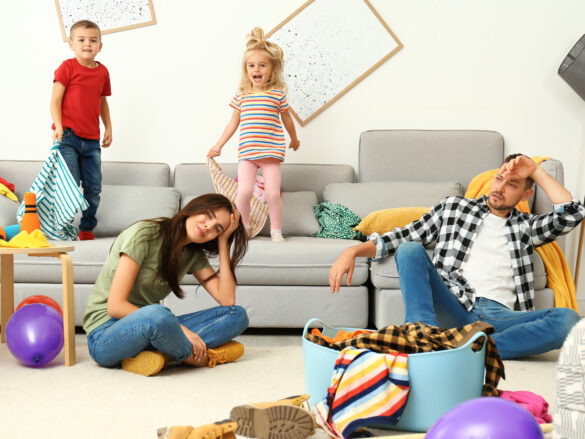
219,430
226,353
283,419
146,363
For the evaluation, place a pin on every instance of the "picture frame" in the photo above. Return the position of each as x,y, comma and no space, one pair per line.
109,15
329,47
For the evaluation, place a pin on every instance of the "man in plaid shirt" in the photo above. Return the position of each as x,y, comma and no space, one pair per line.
482,262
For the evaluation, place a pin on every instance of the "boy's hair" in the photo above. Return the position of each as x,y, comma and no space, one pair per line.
529,181
256,41
86,24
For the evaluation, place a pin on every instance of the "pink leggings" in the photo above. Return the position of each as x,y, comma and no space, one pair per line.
271,172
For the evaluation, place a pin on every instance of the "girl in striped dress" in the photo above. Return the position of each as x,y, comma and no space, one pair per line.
259,106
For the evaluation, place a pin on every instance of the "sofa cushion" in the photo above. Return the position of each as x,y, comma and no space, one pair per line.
121,206
7,211
381,221
298,218
365,198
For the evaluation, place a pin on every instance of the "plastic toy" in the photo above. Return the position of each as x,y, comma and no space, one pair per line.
2,234
30,219
39,298
12,231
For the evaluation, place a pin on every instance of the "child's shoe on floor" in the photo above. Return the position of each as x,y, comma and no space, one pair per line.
146,363
283,419
276,236
226,353
219,430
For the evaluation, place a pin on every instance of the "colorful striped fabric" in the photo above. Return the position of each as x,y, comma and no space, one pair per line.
261,133
367,388
59,199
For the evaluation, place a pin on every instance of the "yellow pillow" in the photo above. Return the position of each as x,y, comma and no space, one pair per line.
382,221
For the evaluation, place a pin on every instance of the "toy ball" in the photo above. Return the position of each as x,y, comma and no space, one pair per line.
34,334
486,418
39,298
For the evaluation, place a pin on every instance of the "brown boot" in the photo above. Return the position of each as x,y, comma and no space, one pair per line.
146,363
278,420
226,353
219,430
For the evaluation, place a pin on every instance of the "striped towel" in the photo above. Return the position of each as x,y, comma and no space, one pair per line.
367,388
226,186
58,198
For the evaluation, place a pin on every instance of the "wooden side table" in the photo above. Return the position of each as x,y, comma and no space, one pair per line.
7,289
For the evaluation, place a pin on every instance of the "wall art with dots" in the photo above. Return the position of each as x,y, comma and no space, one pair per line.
110,15
329,46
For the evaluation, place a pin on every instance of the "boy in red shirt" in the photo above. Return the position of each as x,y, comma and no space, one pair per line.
80,87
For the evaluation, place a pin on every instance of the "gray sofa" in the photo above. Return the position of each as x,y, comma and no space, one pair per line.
284,284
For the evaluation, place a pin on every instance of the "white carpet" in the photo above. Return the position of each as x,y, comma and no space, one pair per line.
87,401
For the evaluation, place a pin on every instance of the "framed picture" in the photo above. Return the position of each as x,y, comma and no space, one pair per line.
109,15
329,46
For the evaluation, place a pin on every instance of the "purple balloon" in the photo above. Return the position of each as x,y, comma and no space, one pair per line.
486,418
34,334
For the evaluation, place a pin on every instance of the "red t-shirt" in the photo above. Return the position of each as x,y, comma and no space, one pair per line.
84,88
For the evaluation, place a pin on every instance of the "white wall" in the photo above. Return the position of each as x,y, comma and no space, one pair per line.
466,64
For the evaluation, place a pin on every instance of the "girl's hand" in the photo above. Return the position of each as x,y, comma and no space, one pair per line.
199,346
234,221
294,144
215,151
57,134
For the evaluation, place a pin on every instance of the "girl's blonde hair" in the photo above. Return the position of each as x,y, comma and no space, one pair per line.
256,41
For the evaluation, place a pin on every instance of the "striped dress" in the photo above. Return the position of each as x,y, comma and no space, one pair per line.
261,133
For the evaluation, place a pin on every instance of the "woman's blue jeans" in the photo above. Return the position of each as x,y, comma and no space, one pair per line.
84,160
155,327
518,333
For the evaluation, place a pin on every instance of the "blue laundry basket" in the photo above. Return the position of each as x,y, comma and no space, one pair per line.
438,380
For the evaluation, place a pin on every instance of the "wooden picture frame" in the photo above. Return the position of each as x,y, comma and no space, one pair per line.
329,46
109,15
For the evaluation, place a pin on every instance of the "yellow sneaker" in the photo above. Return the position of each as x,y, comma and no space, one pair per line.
298,400
276,421
226,353
219,430
146,363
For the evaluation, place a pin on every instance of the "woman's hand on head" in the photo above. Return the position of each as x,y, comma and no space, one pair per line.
233,225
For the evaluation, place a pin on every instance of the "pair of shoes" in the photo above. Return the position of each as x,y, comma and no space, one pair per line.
283,419
146,363
226,353
276,236
219,430
86,235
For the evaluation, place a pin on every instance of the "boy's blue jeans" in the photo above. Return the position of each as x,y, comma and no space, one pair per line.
518,333
155,327
83,158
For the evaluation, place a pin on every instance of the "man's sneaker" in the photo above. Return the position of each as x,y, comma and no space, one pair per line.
226,353
278,421
146,363
86,235
219,430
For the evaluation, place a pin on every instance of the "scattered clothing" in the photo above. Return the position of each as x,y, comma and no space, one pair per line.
58,198
532,402
7,192
367,388
9,185
412,338
337,221
258,190
558,273
35,239
341,334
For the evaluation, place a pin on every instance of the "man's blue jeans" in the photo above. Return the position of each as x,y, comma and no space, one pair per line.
155,327
518,333
83,158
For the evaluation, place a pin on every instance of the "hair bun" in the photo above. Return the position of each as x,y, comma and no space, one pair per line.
256,36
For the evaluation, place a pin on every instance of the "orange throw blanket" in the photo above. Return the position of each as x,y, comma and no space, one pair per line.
558,277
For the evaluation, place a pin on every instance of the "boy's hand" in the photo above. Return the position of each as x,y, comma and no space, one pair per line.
107,140
215,151
57,134
294,144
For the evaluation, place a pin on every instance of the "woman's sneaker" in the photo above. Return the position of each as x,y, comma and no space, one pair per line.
226,353
146,363
219,430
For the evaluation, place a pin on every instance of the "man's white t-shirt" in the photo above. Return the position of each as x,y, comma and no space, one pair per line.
489,266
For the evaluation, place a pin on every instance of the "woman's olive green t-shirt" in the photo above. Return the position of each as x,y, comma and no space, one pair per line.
141,242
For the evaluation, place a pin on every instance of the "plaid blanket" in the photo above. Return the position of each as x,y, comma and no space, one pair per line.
413,338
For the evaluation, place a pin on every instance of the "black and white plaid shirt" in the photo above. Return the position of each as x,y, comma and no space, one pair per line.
452,225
